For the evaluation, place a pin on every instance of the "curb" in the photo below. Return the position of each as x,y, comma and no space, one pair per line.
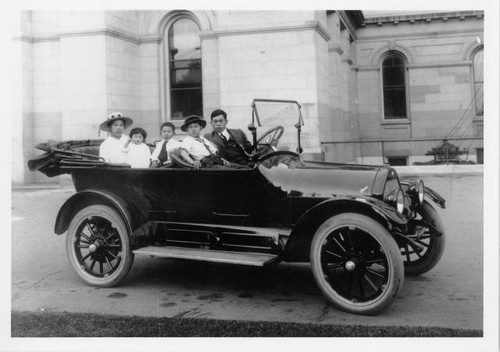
42,186
440,170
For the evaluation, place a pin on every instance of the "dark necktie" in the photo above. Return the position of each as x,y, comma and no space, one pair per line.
224,139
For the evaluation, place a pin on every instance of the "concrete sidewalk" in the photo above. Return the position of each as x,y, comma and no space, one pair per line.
440,169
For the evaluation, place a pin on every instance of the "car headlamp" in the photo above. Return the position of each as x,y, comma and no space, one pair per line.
400,201
420,188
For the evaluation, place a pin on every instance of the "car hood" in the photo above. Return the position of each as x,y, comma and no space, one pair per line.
317,179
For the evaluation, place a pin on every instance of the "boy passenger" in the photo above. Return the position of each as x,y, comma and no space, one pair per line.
160,156
197,150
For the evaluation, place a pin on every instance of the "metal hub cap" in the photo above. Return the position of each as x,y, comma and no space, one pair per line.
350,265
95,246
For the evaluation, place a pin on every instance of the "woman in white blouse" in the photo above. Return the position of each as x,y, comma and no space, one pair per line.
113,149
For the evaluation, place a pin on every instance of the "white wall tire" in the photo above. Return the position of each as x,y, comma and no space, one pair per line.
356,263
98,246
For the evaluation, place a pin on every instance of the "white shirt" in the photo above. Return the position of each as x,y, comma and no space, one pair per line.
171,145
113,150
225,133
138,155
196,148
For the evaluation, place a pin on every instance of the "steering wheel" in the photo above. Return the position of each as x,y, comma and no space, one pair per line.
269,141
291,159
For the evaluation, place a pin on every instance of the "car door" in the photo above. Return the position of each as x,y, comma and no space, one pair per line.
159,190
226,196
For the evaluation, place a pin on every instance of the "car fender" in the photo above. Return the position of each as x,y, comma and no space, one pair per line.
298,245
131,215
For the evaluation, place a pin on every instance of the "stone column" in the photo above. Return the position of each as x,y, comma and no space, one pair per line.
84,85
22,98
210,74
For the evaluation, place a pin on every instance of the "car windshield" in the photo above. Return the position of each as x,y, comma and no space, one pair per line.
273,113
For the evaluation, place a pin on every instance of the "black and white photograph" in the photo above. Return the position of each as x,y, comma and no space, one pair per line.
241,177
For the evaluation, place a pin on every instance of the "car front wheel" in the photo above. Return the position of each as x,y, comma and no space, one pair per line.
356,263
423,249
98,246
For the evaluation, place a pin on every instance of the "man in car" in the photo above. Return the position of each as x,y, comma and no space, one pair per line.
232,144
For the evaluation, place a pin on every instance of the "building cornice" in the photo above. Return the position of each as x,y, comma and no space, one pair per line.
422,18
424,35
111,32
153,38
309,25
348,23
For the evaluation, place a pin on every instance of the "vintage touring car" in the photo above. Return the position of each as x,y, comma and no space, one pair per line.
359,226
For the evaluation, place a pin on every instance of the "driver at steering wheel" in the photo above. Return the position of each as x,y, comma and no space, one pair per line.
232,144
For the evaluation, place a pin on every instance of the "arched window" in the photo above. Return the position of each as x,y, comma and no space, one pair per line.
184,68
394,86
477,67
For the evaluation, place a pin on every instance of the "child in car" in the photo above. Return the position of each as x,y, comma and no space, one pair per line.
160,157
195,149
113,148
138,153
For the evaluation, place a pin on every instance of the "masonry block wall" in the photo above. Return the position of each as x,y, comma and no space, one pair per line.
75,67
271,55
440,86
22,104
340,125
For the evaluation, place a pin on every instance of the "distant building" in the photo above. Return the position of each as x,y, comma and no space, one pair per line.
374,87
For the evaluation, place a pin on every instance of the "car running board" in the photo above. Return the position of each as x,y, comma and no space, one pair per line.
206,255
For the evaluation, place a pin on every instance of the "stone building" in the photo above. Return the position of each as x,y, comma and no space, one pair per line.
373,87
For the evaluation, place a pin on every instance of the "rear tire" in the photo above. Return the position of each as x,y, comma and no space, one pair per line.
98,246
356,263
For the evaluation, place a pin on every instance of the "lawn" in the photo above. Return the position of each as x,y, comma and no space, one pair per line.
63,324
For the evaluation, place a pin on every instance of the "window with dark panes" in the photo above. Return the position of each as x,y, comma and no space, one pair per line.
397,160
394,86
184,53
478,82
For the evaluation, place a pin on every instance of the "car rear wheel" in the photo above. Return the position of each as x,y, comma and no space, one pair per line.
98,246
423,249
356,263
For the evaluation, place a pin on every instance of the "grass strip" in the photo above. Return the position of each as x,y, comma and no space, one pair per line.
63,324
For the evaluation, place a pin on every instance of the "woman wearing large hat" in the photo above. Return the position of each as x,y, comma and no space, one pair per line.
113,148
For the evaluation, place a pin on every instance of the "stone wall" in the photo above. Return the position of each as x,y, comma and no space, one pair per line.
439,84
74,67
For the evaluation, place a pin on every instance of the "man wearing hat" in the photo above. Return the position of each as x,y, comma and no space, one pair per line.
197,150
112,149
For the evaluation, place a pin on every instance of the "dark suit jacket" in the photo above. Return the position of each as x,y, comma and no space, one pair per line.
231,151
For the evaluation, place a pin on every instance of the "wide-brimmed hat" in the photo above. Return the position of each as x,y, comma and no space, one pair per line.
105,126
191,119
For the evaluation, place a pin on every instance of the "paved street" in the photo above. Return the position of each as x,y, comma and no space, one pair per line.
449,296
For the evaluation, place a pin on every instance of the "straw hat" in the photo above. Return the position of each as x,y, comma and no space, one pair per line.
106,125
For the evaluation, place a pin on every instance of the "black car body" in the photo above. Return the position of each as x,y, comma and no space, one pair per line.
358,225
